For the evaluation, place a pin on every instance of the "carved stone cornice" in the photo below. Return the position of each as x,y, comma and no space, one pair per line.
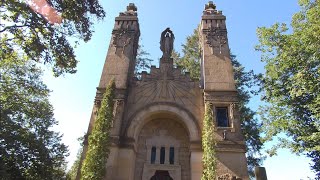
221,96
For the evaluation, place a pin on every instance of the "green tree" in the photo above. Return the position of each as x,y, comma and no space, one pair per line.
245,82
208,143
143,62
190,61
28,148
32,35
93,167
291,83
72,173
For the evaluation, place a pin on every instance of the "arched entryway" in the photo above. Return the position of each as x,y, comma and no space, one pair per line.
163,145
167,123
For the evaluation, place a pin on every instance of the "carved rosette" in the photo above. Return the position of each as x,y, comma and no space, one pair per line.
216,38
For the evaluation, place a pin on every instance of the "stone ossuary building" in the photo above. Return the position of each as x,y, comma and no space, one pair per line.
158,118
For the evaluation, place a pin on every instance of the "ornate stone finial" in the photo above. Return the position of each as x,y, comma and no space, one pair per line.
131,10
210,5
132,7
210,9
166,43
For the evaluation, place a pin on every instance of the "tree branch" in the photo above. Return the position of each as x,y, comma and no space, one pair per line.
14,26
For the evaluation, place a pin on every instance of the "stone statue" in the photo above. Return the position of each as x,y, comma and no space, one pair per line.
166,43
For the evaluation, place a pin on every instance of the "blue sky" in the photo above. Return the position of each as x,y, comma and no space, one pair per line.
73,95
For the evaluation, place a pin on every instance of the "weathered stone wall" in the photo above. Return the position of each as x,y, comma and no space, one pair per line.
164,85
173,129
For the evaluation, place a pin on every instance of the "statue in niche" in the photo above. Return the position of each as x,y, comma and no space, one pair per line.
166,43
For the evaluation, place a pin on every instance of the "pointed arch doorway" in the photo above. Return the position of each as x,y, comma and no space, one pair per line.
161,175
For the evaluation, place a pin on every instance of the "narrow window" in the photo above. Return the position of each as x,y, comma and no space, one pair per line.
162,155
171,157
222,116
153,154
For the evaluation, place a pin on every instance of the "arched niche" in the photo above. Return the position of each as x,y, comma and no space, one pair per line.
168,111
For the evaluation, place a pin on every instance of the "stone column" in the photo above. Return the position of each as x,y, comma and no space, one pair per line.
196,165
126,164
167,155
158,155
216,66
148,154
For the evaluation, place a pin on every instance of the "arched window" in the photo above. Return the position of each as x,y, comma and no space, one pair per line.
153,155
171,155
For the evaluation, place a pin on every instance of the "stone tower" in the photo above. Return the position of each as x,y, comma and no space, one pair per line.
158,118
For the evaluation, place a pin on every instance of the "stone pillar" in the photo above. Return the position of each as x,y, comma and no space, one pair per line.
119,65
149,154
158,148
167,155
260,173
126,164
216,67
196,165
112,163
217,80
121,56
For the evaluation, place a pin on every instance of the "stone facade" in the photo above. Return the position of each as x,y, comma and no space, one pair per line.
157,123
165,133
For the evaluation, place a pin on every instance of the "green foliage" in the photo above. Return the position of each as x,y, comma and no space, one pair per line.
31,35
143,62
292,82
28,148
250,125
72,173
209,160
245,82
93,166
190,61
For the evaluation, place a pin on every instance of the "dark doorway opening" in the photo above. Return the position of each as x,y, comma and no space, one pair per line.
161,175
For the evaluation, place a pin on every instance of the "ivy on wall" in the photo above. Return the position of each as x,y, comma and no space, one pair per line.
94,165
209,160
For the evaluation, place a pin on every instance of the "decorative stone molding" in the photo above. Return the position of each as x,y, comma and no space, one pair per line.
141,118
230,97
231,119
122,37
232,110
166,141
131,10
116,108
216,38
210,9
